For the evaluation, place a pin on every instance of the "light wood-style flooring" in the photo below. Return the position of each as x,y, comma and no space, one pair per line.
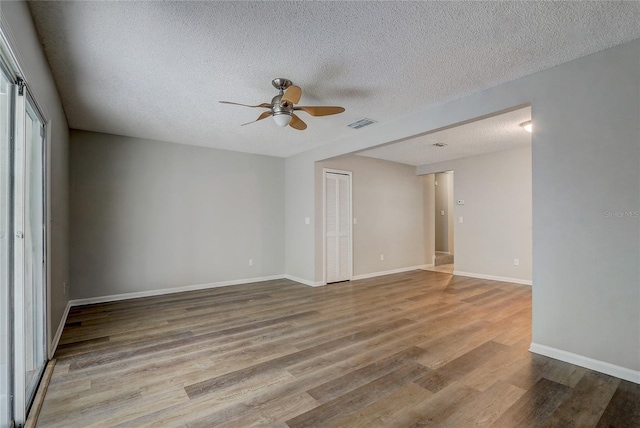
415,349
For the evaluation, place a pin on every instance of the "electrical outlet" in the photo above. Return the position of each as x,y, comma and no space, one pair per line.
250,262
381,256
516,262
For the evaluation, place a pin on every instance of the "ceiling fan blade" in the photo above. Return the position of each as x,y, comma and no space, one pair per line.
264,115
291,95
320,110
263,105
297,123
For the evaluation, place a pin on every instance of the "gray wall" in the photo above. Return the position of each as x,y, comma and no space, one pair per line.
586,163
148,215
18,27
496,189
388,205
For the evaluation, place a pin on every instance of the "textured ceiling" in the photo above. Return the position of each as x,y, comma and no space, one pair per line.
157,69
501,132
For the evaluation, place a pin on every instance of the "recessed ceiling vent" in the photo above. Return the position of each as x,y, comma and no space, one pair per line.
361,123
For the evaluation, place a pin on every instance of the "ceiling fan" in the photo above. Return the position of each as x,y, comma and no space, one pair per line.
282,106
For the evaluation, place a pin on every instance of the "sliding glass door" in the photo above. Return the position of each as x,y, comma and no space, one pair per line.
6,314
33,251
29,253
23,305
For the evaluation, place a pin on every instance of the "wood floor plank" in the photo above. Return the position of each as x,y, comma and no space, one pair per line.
484,409
387,411
438,379
357,378
329,413
535,406
416,348
216,383
587,401
623,410
435,409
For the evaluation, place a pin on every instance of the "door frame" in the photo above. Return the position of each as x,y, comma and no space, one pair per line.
326,171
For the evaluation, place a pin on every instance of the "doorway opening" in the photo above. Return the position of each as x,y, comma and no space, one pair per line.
443,258
439,220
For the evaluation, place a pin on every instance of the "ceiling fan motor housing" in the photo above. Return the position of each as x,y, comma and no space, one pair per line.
278,108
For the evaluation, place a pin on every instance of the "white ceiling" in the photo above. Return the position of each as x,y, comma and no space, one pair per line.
156,69
501,132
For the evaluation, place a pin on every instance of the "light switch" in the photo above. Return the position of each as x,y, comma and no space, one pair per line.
307,220
460,201
441,212
355,220
460,220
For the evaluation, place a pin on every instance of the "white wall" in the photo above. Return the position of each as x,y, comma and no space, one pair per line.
586,162
149,215
388,205
18,27
496,189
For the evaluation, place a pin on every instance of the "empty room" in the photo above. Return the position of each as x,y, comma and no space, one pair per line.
319,214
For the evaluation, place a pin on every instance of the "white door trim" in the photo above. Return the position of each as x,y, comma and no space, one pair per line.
326,171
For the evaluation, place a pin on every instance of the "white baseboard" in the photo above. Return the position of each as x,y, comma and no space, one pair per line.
160,292
493,277
589,363
54,343
389,272
304,281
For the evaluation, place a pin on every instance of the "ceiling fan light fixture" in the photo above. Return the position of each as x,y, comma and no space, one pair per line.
528,126
283,105
282,119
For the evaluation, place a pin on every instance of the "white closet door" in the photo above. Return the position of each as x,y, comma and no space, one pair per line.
338,227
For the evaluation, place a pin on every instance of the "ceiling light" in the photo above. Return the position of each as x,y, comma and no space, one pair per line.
282,119
528,126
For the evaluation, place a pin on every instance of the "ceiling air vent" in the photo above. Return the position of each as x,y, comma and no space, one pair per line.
361,123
